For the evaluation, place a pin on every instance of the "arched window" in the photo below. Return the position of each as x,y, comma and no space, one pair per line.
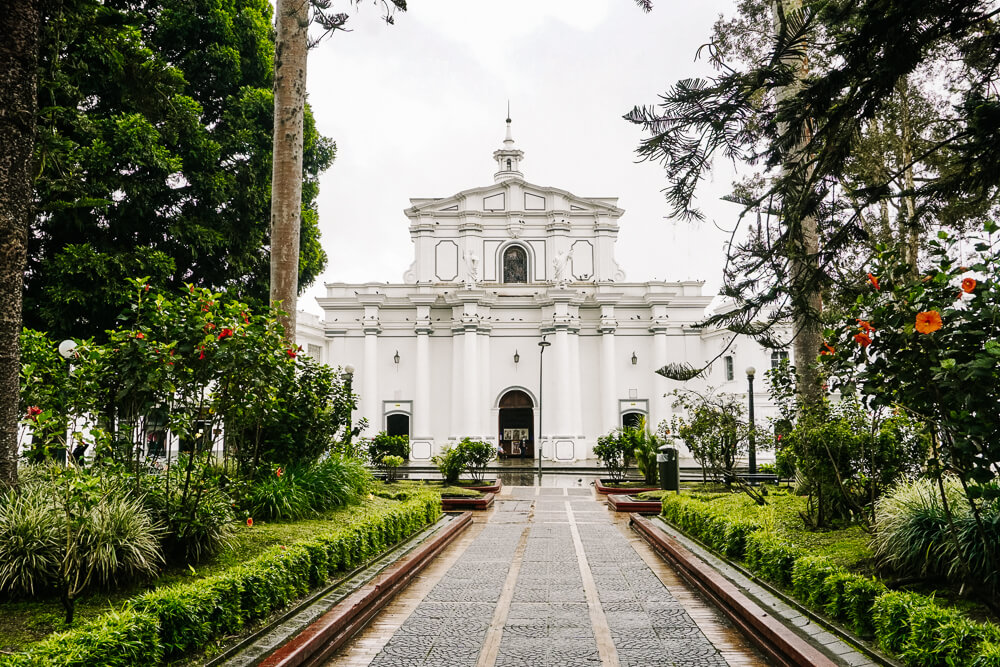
515,265
508,164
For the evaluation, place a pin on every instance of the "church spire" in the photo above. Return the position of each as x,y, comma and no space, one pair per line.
508,158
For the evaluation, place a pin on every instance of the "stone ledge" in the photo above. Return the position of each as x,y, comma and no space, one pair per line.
321,639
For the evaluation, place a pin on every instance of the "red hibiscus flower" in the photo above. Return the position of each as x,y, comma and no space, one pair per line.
250,522
928,321
829,349
225,333
873,280
140,335
33,412
968,284
279,472
291,353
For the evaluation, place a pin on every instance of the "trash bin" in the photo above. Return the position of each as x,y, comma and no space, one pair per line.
669,468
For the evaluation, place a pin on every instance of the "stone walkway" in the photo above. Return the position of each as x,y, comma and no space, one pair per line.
549,577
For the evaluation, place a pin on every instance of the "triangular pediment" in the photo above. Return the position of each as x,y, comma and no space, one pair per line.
515,195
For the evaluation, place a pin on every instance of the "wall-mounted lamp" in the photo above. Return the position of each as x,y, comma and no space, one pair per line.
635,359
395,358
517,357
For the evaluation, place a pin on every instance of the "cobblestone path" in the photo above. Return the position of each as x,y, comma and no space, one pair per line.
547,579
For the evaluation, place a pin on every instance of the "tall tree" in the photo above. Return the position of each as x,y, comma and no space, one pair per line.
154,146
803,129
18,63
293,18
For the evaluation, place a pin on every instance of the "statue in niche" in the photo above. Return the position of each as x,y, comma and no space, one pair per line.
471,269
559,265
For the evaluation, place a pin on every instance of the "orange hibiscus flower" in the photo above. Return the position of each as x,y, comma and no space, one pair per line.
863,339
873,280
968,284
866,326
928,321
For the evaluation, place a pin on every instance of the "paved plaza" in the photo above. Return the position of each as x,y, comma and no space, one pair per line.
549,577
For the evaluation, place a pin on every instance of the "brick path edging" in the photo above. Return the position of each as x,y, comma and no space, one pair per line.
770,635
320,640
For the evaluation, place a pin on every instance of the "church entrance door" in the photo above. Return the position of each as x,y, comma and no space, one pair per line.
517,425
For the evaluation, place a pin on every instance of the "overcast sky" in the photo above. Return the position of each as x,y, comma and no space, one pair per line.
418,108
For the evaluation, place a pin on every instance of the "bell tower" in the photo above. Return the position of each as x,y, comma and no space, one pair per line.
508,158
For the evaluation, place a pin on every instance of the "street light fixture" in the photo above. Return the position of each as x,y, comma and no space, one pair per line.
67,350
751,371
348,377
635,359
542,344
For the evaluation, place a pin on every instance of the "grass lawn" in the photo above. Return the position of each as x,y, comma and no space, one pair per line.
26,621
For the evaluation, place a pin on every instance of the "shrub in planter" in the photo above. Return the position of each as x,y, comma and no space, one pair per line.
450,462
615,450
477,455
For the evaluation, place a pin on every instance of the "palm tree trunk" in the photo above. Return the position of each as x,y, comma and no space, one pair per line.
292,23
18,104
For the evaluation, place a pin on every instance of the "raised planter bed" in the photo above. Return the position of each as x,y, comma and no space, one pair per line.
606,486
486,486
462,504
624,503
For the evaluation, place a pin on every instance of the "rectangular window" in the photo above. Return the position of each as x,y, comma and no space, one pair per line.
777,357
315,351
729,368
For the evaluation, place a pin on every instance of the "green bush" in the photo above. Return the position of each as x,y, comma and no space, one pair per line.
170,621
615,451
477,455
116,639
391,464
860,594
334,481
771,557
277,497
450,463
809,574
382,444
988,654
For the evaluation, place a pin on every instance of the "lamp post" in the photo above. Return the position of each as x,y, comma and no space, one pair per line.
67,350
752,458
348,377
542,344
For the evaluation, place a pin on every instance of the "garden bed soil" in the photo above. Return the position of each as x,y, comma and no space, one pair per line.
624,503
463,504
633,486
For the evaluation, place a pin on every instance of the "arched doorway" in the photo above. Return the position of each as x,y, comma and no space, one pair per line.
517,425
398,423
632,419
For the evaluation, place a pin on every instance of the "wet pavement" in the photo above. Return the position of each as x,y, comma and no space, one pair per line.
549,577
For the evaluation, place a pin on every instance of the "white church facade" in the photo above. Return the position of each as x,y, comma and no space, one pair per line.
455,349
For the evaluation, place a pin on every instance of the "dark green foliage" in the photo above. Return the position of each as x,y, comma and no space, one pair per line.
169,621
313,413
450,463
615,451
715,431
294,492
908,625
154,158
771,557
382,444
118,639
477,454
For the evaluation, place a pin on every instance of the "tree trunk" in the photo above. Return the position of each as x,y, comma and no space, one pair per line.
292,23
803,246
909,234
18,104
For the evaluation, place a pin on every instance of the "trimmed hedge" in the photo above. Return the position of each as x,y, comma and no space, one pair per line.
168,622
911,626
